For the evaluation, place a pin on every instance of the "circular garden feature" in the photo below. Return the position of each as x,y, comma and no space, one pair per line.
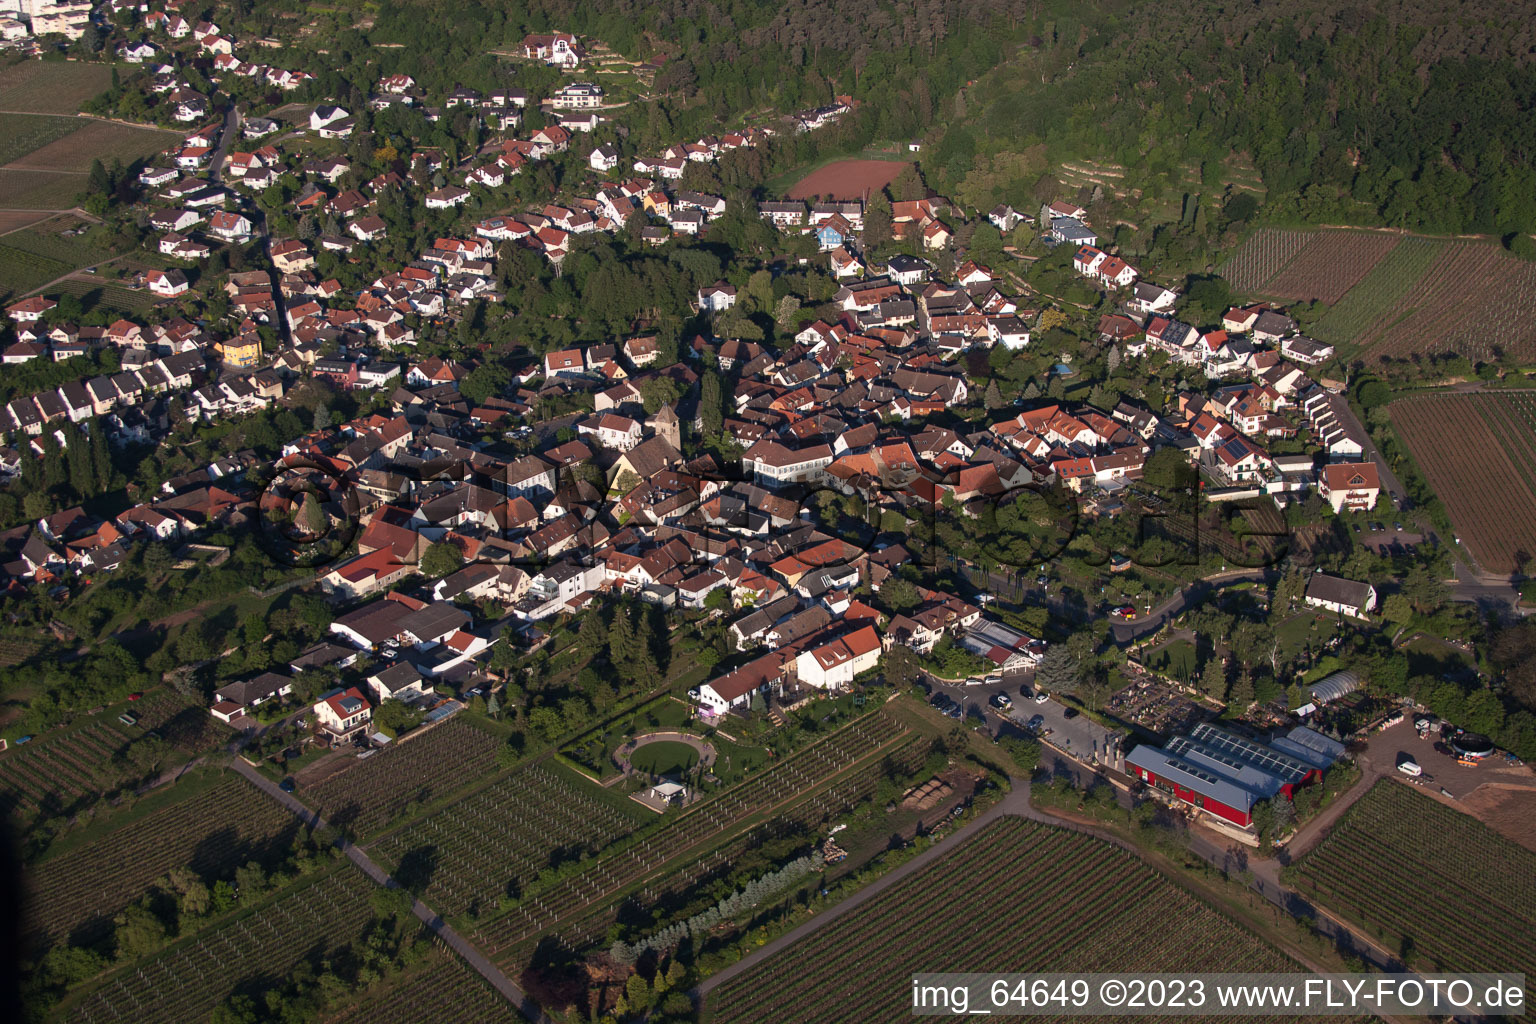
664,753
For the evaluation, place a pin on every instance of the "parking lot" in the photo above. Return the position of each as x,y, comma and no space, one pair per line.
1390,539
1079,735
1389,747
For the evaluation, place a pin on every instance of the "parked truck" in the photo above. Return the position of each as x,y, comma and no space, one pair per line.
1410,768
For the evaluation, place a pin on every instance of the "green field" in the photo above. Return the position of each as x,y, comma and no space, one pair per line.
22,271
1429,866
110,297
48,240
51,87
1380,291
35,256
1019,896
38,190
21,134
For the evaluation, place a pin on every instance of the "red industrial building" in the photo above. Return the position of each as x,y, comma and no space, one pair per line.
1225,774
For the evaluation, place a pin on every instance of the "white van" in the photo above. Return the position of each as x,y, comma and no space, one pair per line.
1410,768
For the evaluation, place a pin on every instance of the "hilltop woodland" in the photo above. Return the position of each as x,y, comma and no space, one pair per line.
1414,117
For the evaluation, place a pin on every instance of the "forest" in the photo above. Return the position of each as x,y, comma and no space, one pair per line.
1411,116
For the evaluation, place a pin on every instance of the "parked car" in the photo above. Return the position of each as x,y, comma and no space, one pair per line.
1035,722
1398,527
1041,697
135,696
1026,692
1001,701
1070,713
287,785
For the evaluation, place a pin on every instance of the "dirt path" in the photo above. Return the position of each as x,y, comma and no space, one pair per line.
73,273
487,970
1310,834
1016,802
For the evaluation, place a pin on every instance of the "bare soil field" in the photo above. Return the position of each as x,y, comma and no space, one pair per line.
1508,810
51,87
847,179
15,220
1491,497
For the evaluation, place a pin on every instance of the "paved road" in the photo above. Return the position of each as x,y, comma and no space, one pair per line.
1127,632
487,970
1489,591
232,122
1389,481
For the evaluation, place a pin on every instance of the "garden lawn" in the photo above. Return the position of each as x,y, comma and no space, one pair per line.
664,757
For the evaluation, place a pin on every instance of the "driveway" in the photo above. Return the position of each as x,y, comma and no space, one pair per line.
1127,632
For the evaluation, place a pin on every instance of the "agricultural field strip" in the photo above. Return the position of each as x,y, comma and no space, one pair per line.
185,982
93,140
21,134
1513,434
442,991
103,877
1440,294
1262,256
1472,321
51,245
51,87
22,271
411,772
781,785
901,922
829,969
640,861
1381,291
1424,853
1470,492
1330,265
69,766
105,295
940,883
843,794
46,191
1493,540
504,835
